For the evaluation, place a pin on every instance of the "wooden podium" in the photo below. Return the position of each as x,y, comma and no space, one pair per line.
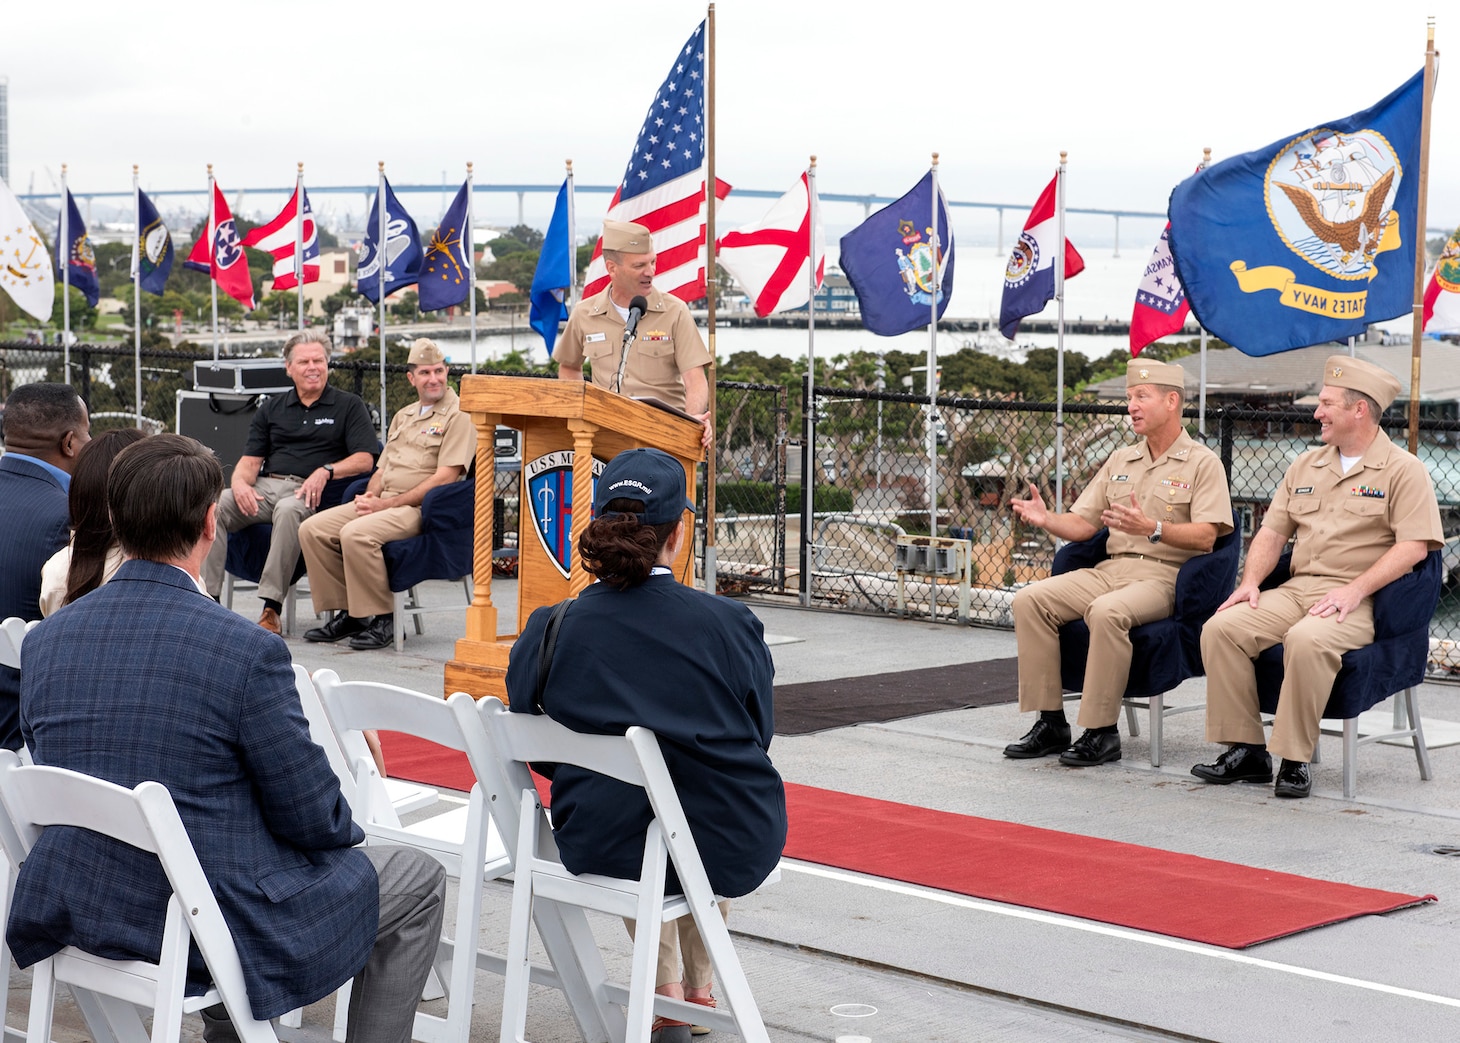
564,424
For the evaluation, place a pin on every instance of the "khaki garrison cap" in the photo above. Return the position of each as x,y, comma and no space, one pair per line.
1378,383
1168,374
627,238
424,352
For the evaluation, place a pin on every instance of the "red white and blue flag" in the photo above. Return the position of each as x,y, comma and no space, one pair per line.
278,238
1161,305
771,258
663,187
1442,295
1029,276
223,258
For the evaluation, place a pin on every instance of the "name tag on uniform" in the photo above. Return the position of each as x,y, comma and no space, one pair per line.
594,338
1120,478
1303,490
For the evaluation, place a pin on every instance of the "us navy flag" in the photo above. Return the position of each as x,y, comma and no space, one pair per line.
1309,239
889,261
402,249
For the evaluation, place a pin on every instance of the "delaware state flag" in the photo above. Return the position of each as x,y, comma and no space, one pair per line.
1310,239
1029,275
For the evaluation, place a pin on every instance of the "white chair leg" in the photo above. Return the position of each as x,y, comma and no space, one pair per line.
415,609
42,1001
1132,720
226,595
400,621
1350,756
290,597
1410,698
1158,727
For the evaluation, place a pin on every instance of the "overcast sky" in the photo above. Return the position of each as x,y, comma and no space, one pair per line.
1133,91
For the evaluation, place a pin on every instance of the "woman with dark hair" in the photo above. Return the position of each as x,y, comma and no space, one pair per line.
640,648
92,556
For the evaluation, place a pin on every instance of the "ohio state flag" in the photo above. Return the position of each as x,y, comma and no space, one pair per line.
223,258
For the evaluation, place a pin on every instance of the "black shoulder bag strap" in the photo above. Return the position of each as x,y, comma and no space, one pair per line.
545,650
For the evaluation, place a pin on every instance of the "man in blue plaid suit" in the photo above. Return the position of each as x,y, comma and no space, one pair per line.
149,678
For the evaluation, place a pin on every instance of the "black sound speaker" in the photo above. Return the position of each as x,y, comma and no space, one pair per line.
219,421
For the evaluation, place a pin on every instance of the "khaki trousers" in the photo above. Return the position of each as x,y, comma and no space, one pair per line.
1117,594
342,552
279,507
1312,648
679,940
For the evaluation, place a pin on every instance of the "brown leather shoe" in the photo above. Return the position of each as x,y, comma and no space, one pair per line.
270,621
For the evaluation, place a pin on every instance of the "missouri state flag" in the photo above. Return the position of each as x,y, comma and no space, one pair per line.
898,266
1161,306
772,259
1309,239
280,237
223,258
1029,275
1442,295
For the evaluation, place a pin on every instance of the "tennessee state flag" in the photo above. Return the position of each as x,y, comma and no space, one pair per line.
1029,276
225,261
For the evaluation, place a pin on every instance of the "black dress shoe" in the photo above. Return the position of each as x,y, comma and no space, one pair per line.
378,634
1238,764
1293,780
341,626
1091,749
1044,738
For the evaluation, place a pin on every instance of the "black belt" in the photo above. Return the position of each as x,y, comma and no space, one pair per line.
1149,557
286,477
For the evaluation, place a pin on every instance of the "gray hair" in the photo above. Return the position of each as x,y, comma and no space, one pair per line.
319,337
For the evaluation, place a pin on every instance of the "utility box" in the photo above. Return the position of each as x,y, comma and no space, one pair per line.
242,376
939,558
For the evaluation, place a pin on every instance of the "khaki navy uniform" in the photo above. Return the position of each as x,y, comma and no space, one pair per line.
1344,523
1135,585
342,547
667,344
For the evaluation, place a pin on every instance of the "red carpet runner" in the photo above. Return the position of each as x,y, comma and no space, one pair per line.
1198,899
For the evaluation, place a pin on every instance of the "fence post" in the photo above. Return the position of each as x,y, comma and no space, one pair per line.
1226,425
808,451
85,393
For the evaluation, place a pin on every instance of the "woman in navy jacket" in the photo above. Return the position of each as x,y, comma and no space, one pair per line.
640,648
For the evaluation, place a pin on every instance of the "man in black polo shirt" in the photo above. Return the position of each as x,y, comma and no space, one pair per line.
297,442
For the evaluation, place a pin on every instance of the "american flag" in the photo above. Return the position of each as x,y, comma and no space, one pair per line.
663,188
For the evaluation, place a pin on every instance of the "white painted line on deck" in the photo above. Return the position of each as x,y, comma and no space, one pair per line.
1125,934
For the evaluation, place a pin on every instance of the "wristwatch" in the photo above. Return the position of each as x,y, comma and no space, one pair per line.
329,469
1155,537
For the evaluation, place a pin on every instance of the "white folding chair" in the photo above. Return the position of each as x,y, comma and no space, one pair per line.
541,878
463,840
36,798
12,633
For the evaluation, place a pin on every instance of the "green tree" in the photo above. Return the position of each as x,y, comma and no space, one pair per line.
502,247
341,298
113,267
517,268
585,256
526,235
407,308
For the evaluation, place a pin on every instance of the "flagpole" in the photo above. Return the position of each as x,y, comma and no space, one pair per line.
1201,422
137,294
808,419
1059,295
1417,337
936,245
63,254
299,243
572,243
471,264
711,584
213,258
380,256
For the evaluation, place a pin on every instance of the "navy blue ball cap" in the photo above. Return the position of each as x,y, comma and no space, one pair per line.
650,475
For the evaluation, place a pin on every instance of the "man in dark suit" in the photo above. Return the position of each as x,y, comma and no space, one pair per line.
149,678
45,427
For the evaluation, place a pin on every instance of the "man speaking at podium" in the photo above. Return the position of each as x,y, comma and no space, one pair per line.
641,342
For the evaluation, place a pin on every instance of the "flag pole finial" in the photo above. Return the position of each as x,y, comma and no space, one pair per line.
134,170
380,165
1063,155
63,168
1206,155
813,159
468,168
210,169
935,159
569,164
301,169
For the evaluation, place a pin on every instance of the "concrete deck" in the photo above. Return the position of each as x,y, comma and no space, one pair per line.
924,965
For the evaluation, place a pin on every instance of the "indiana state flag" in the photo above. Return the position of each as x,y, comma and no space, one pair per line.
446,270
153,255
73,250
401,250
553,280
1309,239
890,261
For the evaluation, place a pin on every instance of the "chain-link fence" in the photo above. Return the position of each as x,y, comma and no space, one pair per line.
753,501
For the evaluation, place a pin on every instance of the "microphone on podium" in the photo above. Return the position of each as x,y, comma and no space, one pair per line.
637,307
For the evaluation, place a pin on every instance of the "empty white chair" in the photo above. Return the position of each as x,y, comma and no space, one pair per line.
36,798
541,878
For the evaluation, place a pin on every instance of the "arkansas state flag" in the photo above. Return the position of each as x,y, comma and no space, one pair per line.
1029,276
1161,305
1442,296
770,259
279,236
225,261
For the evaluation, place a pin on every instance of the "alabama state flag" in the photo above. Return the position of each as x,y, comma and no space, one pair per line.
1029,276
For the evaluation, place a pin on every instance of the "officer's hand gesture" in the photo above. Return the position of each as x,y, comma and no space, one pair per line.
1031,510
1121,517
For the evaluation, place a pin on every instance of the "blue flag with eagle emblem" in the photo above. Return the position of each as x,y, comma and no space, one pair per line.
889,261
1310,239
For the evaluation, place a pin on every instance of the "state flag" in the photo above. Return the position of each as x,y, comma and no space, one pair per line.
25,265
152,254
898,266
1442,295
446,269
553,279
1161,306
73,249
223,259
771,259
1029,275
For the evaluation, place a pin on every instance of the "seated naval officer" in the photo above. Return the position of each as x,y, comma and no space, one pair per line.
1363,513
1164,500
